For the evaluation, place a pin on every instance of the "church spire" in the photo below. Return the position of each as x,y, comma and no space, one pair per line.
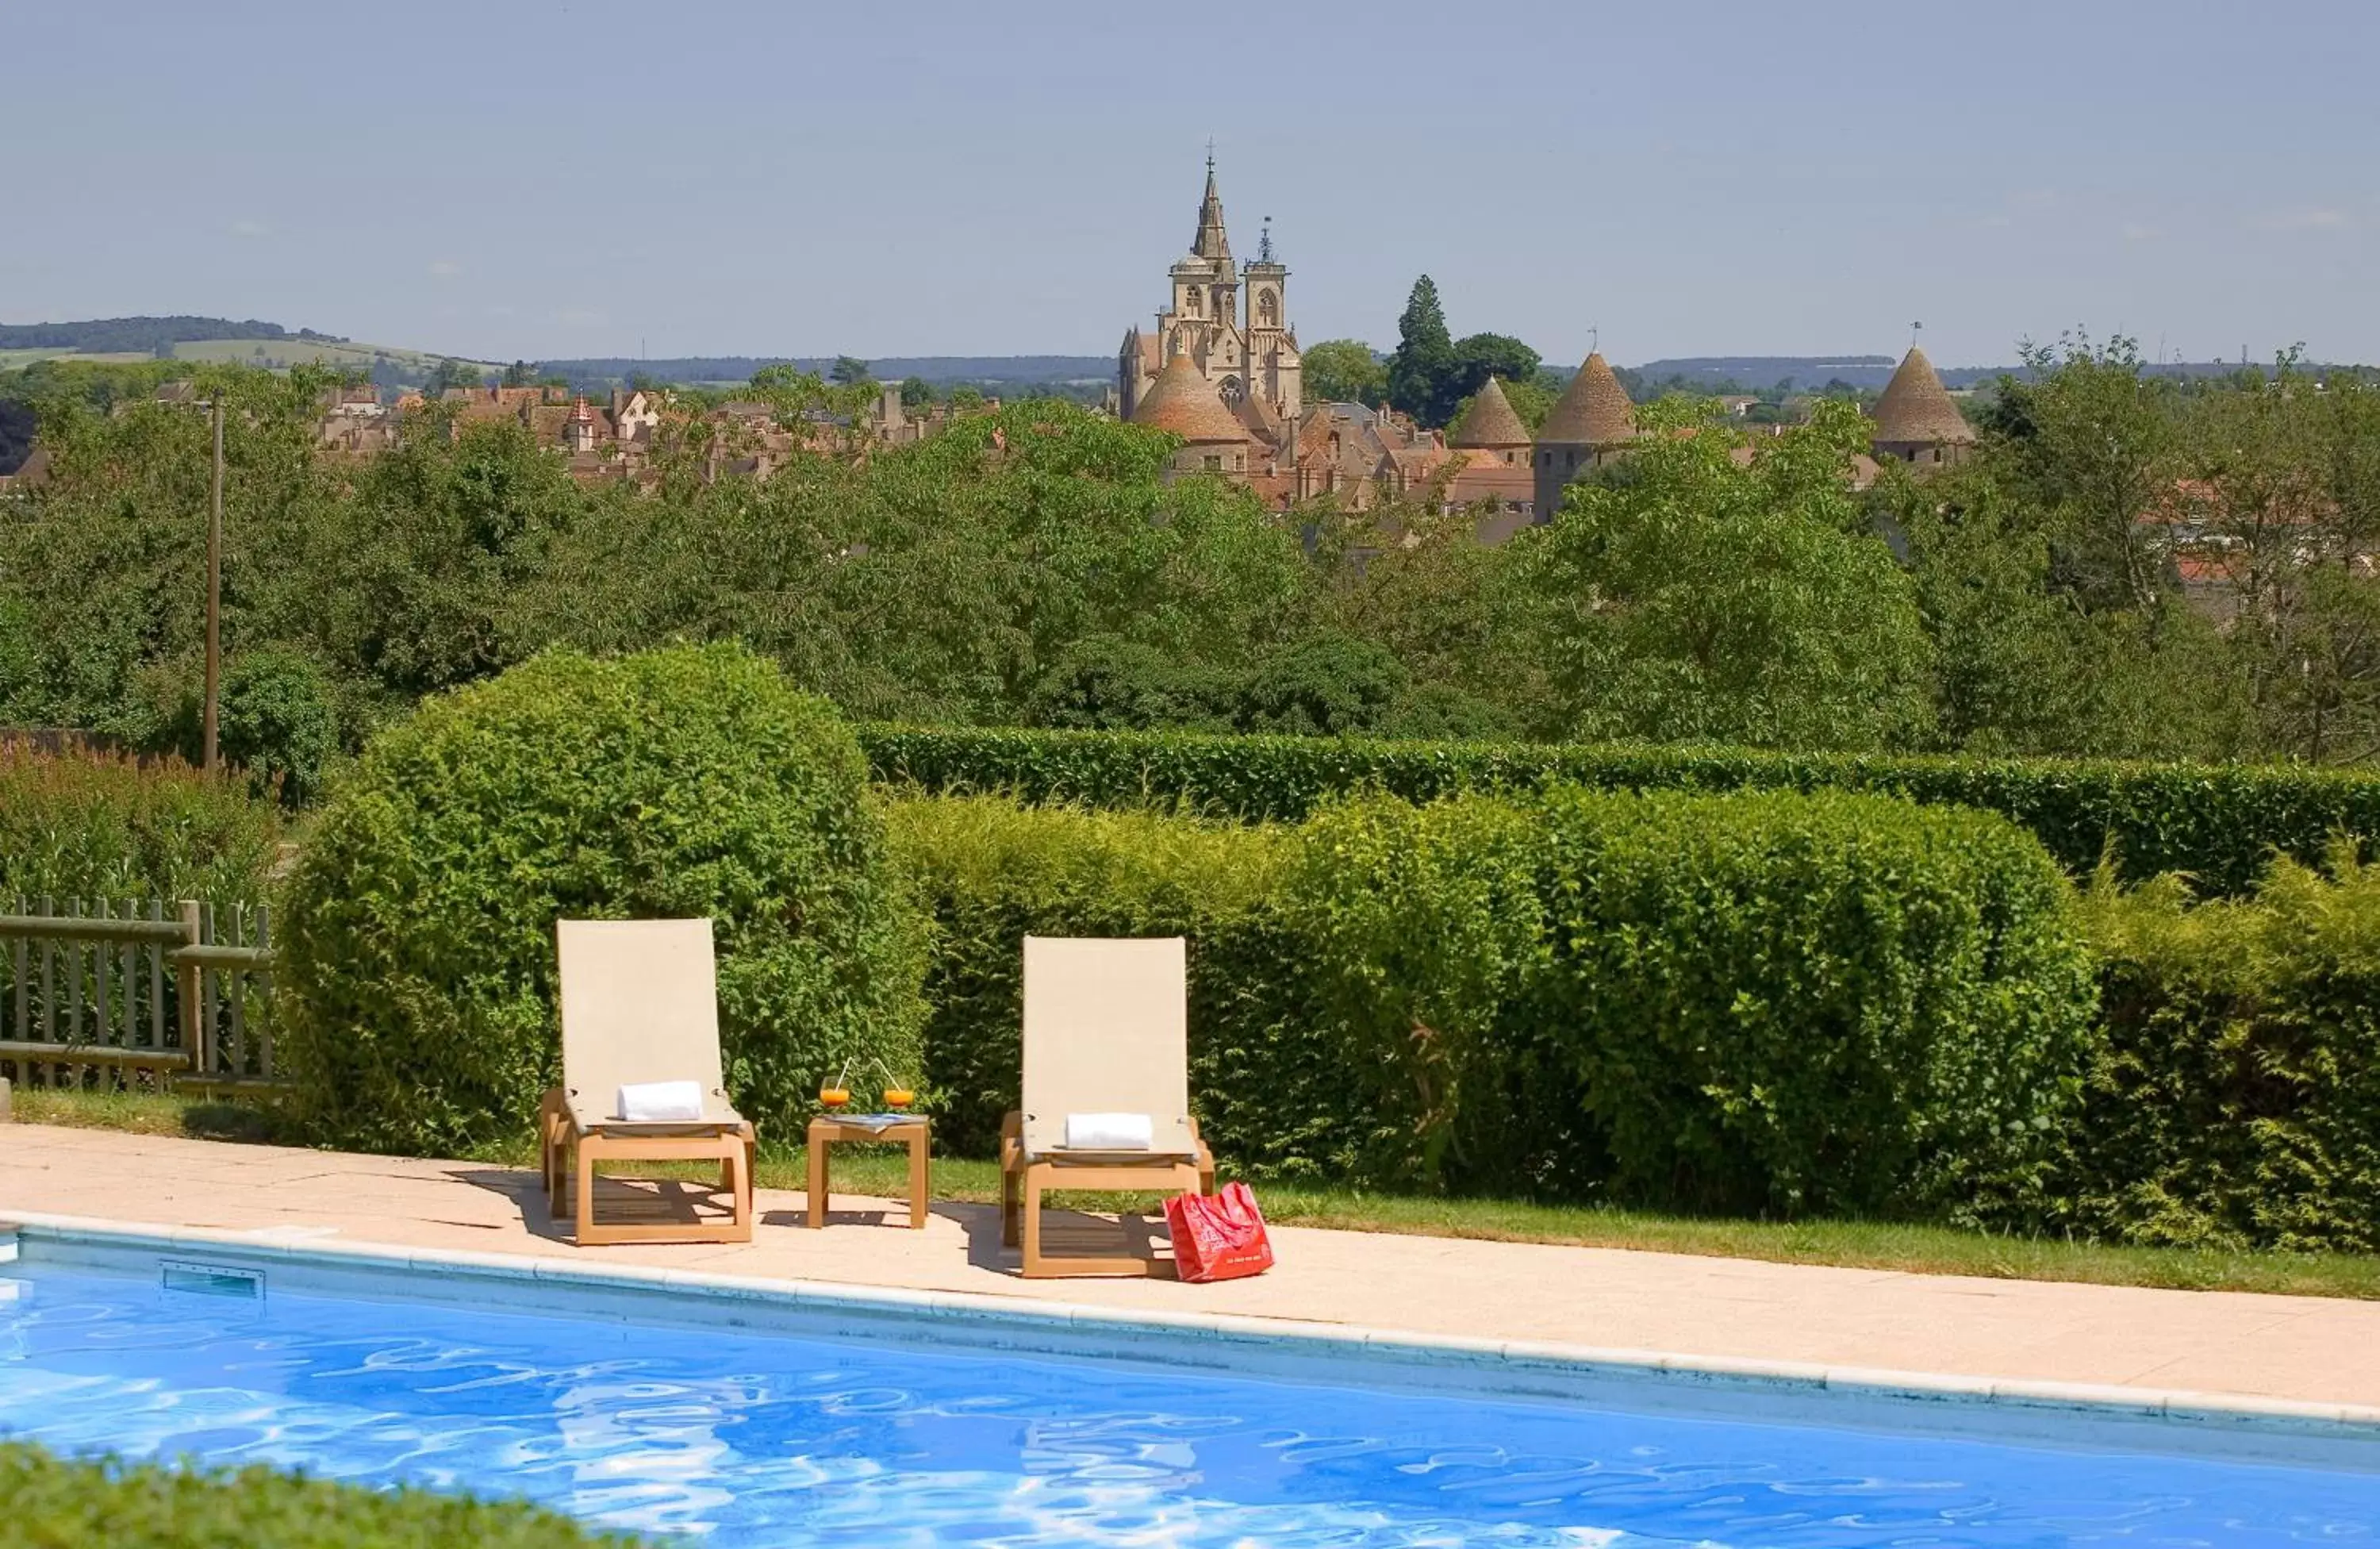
1211,242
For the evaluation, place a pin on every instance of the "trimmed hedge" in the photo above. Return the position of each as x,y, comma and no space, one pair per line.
988,873
1758,1003
418,947
1761,1003
56,1501
2220,824
88,825
2235,1096
1829,1001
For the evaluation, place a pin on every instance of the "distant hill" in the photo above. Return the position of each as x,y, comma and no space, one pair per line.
252,342
988,371
1751,372
1869,373
146,336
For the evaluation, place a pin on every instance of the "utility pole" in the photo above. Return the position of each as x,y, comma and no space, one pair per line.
214,586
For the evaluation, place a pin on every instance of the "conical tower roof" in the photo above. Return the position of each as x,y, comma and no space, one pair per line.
1490,422
1211,242
1915,409
1593,410
1185,403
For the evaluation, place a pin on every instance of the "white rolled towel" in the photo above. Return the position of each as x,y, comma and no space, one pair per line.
661,1102
1109,1132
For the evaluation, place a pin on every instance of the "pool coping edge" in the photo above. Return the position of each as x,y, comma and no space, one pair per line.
1407,1348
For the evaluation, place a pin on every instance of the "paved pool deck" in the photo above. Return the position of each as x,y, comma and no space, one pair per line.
2112,1343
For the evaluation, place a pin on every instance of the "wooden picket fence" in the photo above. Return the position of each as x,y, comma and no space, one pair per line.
107,992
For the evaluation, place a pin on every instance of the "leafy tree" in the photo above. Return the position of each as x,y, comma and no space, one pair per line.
1114,681
449,373
16,427
1415,578
445,541
1533,400
849,372
2095,445
805,402
915,392
1022,565
1482,356
1686,597
520,373
280,722
1326,684
1442,713
1344,370
108,577
2020,666
992,547
2283,504
1424,360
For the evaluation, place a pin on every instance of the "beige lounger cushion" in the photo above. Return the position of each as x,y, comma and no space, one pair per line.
640,1002
1107,1030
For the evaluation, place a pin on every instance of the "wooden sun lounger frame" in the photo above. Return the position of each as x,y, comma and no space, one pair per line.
573,1155
1023,1183
1108,1030
640,983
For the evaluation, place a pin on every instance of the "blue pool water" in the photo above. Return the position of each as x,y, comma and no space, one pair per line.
755,1439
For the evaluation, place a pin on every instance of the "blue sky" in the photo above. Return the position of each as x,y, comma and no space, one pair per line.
528,177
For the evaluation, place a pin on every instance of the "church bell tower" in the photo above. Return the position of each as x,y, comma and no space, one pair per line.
1273,370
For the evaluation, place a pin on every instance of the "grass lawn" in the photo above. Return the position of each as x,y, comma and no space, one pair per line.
12,358
1920,1249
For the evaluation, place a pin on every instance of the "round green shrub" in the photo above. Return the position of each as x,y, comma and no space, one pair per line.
417,944
280,723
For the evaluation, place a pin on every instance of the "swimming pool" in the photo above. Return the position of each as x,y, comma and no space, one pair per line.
881,1431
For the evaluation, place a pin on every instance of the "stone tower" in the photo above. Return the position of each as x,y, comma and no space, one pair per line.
1274,370
1491,426
580,432
1917,421
1591,422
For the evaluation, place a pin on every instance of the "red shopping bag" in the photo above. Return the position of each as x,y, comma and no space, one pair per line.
1221,1237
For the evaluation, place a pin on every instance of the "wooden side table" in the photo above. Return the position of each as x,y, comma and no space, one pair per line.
915,1133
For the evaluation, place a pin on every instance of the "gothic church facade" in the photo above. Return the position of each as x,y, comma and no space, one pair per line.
1240,344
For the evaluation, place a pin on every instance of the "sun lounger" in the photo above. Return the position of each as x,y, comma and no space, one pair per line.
640,1008
1106,1045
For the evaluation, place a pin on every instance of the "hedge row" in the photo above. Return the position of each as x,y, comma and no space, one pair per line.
2234,1096
55,1501
1752,1002
1773,1004
78,825
2220,824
